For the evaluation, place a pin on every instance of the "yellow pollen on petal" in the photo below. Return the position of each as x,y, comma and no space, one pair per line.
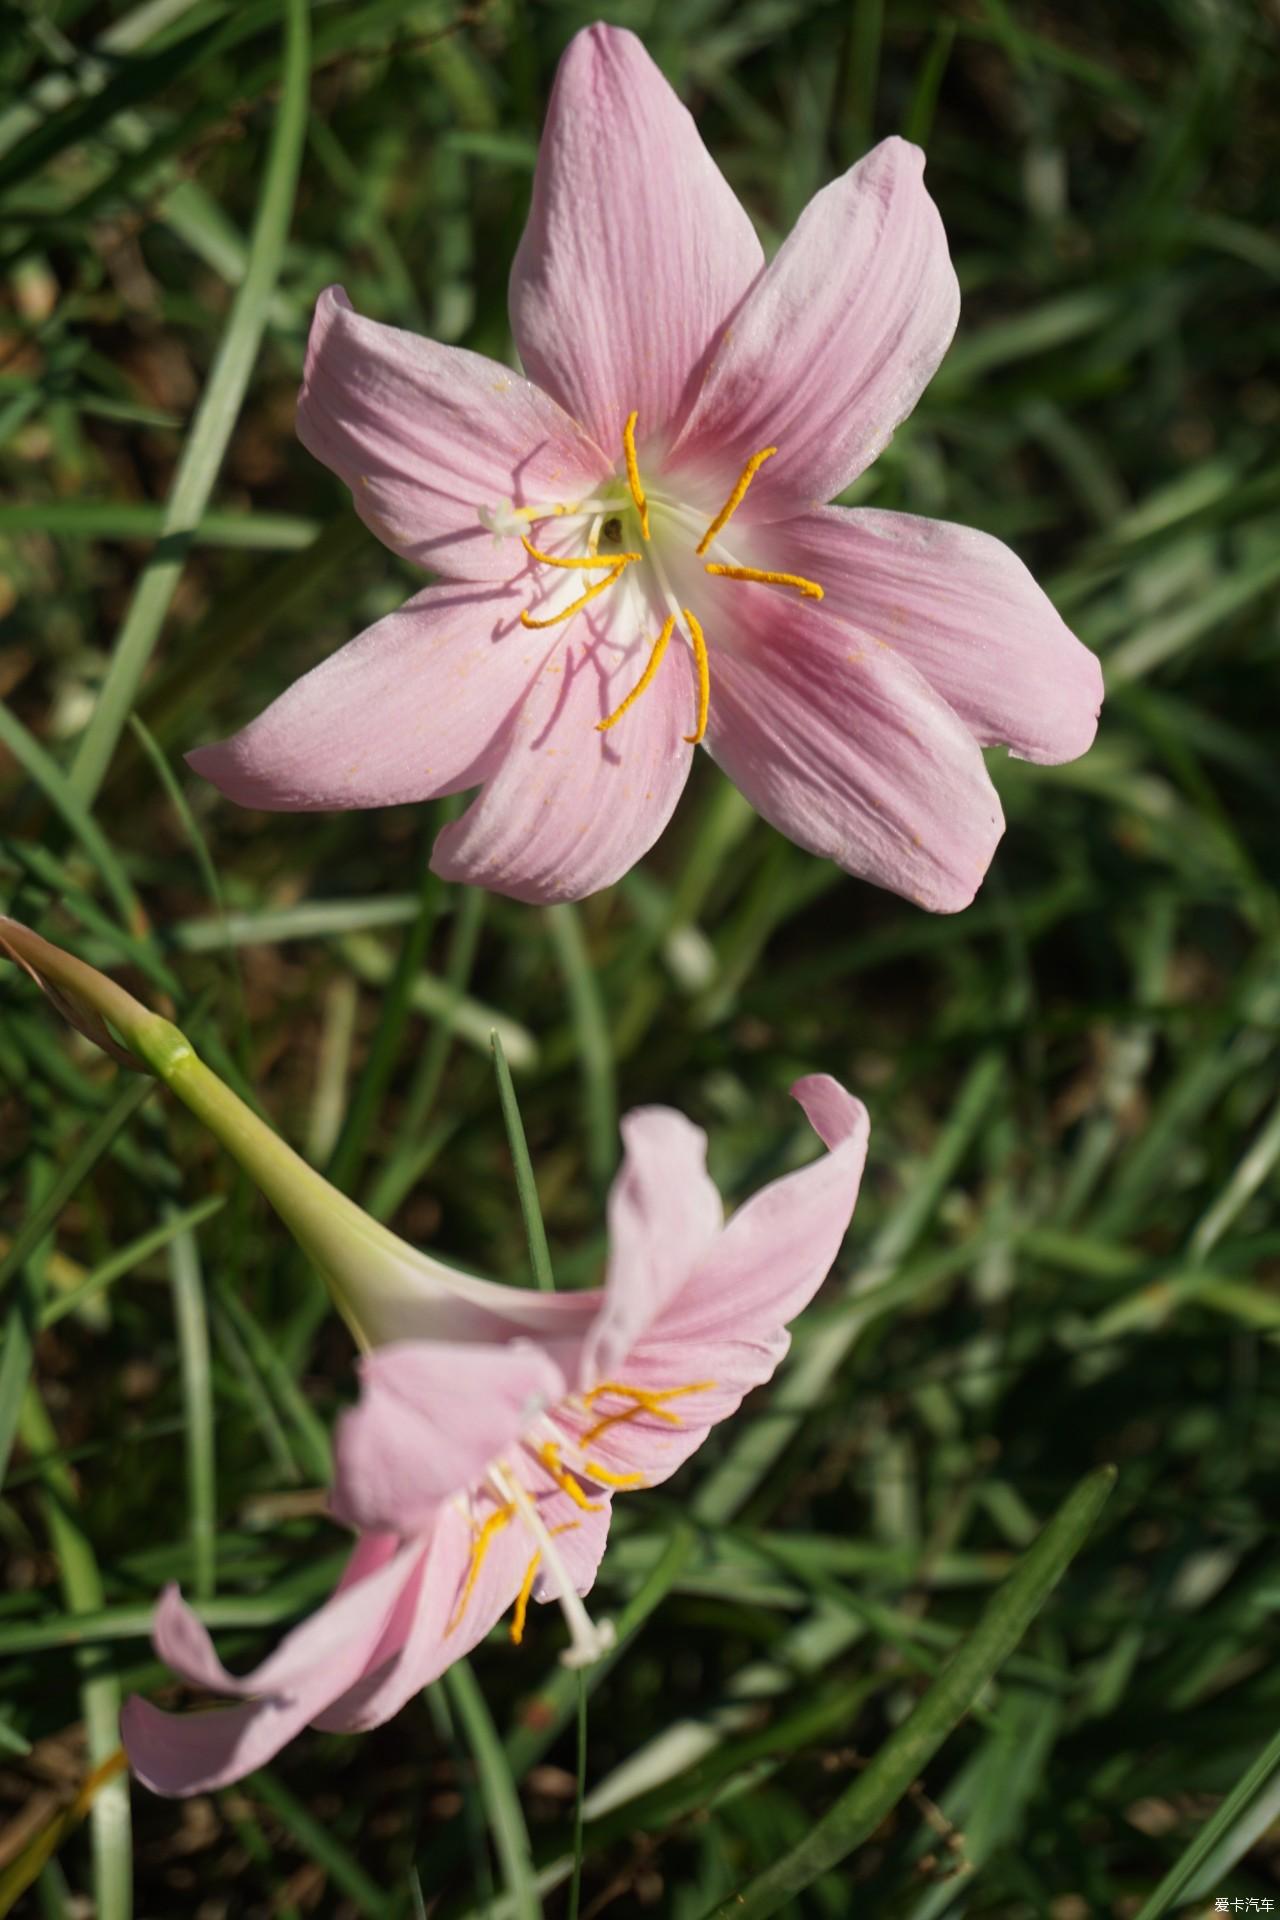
704,677
735,499
633,472
576,560
521,1612
549,1454
809,588
617,567
646,678
484,1539
642,1399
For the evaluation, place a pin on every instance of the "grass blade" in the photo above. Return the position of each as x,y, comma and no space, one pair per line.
873,1795
526,1185
215,417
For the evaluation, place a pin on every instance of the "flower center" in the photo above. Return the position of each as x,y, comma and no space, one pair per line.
543,1446
606,518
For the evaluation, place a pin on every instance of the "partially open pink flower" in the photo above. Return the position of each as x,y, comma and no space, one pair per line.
480,1462
633,553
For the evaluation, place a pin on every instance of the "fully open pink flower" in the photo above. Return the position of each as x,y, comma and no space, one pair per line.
633,552
480,1462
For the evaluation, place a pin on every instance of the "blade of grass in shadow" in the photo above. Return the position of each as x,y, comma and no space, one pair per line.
99,1690
586,1007
526,1185
127,1258
498,1790
318,1842
1174,1888
41,767
15,1365
877,1790
214,420
191,1319
396,1006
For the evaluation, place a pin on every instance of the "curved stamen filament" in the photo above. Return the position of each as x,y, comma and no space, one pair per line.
633,472
608,1478
646,678
577,560
642,1399
704,677
589,1640
549,1455
484,1540
735,499
522,1599
521,1611
617,567
809,588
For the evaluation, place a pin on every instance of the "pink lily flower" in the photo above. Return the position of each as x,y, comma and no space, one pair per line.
632,550
480,1462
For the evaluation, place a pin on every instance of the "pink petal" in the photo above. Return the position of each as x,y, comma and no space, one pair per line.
846,749
725,1331
431,1418
183,1753
836,342
439,1632
636,251
963,609
417,705
570,809
427,437
664,1212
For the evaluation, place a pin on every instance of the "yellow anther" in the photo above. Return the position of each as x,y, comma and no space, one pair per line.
549,1454
646,678
590,560
642,1401
617,567
522,1600
633,472
704,677
735,499
809,588
526,1587
484,1539
609,1479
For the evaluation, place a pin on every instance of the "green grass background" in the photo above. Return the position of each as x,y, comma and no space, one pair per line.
1067,1247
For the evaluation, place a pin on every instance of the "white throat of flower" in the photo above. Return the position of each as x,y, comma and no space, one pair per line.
629,524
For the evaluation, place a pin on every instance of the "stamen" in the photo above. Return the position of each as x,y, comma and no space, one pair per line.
589,1640
526,1588
522,1599
484,1539
643,1401
735,499
549,1455
704,677
646,678
633,472
616,570
809,588
573,560
610,1479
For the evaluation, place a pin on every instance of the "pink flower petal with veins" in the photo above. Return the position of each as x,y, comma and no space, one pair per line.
839,741
427,437
569,809
636,252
